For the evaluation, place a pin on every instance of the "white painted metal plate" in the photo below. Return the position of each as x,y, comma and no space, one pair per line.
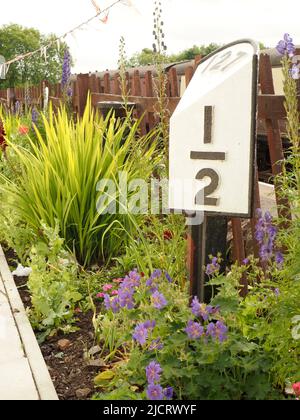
212,134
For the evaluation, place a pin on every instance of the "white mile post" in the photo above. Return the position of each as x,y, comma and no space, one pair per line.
212,146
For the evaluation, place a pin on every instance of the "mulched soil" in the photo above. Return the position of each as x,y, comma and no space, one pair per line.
72,376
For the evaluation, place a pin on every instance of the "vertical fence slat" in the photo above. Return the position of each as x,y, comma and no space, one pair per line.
149,93
174,82
273,134
106,83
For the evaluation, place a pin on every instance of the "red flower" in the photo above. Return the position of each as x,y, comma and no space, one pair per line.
168,235
23,130
296,388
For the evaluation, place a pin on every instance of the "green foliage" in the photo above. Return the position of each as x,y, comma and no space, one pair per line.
61,174
53,284
159,242
16,40
147,56
191,53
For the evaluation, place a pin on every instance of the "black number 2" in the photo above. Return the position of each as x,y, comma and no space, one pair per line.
210,189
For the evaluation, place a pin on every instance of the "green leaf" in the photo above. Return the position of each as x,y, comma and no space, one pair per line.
104,377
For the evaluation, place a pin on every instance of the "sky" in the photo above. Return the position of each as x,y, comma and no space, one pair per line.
187,23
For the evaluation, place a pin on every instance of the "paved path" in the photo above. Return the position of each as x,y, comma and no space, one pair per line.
23,373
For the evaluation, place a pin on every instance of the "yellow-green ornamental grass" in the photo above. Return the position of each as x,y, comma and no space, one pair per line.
60,176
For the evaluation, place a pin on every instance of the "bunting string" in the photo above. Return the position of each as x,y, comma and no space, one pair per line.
43,50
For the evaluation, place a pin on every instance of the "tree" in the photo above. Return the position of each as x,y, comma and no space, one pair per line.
16,40
143,58
146,56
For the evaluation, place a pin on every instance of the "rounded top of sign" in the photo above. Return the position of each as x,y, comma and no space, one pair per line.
248,41
2,59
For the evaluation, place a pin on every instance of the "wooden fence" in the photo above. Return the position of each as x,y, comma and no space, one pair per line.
141,85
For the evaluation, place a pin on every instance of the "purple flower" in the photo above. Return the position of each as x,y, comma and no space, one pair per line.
126,299
156,345
149,282
279,259
18,108
141,334
221,331
201,310
155,393
135,278
159,301
277,292
168,277
150,325
168,393
153,372
246,261
66,71
286,46
194,330
295,72
34,116
115,305
107,302
217,331
213,268
265,235
112,304
156,274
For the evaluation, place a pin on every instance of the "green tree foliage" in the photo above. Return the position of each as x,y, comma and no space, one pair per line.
16,40
146,56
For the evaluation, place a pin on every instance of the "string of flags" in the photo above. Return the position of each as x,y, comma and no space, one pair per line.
4,66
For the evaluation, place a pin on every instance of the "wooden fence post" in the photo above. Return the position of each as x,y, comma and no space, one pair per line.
82,92
274,135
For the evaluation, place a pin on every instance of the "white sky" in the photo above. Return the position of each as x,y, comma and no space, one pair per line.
187,22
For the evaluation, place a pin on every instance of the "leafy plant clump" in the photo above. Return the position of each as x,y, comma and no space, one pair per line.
60,176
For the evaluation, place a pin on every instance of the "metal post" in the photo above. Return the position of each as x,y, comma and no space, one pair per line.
210,238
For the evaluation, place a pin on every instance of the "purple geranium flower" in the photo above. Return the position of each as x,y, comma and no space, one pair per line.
126,299
141,334
115,305
156,274
150,325
213,268
107,302
153,372
201,310
217,331
155,393
194,330
168,393
158,300
156,345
